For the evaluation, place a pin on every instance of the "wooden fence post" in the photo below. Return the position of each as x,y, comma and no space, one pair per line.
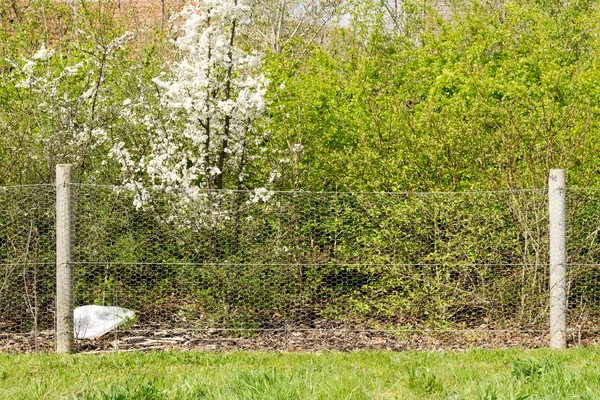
64,269
558,259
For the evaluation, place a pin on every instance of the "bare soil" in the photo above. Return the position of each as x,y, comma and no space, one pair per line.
305,340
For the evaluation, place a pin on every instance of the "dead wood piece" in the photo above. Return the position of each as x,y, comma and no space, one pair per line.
133,338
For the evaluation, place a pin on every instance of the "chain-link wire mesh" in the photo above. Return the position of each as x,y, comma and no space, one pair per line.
583,261
236,264
27,266
300,270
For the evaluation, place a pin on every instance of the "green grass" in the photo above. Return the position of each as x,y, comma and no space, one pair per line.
475,374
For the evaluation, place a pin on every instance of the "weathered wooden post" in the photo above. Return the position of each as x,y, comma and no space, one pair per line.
558,259
64,268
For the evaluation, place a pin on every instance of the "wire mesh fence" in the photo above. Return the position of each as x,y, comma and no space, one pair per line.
27,262
583,250
300,270
248,262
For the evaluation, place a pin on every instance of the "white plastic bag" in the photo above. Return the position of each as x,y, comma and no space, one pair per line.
91,322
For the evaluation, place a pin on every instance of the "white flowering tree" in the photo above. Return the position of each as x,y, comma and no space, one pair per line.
204,131
63,104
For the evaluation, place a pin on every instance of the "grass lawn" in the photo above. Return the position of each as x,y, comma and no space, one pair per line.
474,374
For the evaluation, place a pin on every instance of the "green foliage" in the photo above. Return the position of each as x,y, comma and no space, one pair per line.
492,99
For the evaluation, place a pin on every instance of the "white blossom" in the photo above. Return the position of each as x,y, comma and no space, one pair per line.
42,54
211,99
260,195
297,148
274,175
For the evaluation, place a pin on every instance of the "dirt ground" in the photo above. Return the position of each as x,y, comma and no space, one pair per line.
305,340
